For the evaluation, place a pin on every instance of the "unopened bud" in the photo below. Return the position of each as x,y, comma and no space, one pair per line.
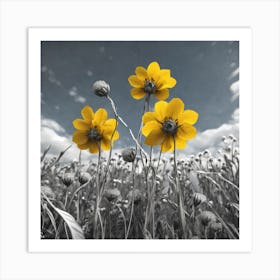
101,88
128,154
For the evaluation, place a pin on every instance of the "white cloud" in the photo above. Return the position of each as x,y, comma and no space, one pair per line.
234,88
80,99
211,139
234,74
51,75
73,92
53,125
54,134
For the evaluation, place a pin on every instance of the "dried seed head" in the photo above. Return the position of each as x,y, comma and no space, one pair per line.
199,198
84,178
136,196
67,179
129,154
112,194
101,88
206,217
215,226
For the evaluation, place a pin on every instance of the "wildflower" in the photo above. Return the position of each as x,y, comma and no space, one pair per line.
67,179
152,80
84,178
101,88
94,130
168,124
129,154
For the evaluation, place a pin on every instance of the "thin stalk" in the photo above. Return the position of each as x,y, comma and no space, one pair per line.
124,123
179,194
109,158
159,158
132,201
96,212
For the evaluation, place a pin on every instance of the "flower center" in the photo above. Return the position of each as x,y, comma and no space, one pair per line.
150,87
94,135
169,126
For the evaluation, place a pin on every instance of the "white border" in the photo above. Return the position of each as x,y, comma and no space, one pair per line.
243,35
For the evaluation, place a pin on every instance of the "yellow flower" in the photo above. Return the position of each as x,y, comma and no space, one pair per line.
152,80
94,130
169,121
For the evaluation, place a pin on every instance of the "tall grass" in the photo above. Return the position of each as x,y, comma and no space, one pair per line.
194,197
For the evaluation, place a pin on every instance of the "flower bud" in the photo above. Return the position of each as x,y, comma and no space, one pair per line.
207,217
84,178
112,194
128,154
136,195
67,179
101,88
198,198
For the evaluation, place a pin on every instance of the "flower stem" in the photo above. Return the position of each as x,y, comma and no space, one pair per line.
179,195
132,200
97,195
124,123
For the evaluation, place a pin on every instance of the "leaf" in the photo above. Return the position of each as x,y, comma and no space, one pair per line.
74,227
194,181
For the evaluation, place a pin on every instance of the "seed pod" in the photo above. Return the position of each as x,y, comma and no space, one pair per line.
215,226
67,179
84,178
206,217
128,154
137,196
101,88
112,194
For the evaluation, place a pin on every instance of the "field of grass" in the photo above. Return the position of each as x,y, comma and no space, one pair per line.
195,197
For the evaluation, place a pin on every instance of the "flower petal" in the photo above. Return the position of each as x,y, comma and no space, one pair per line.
135,82
168,144
81,124
150,116
105,144
188,116
180,143
166,82
108,132
160,108
150,126
87,113
162,94
100,117
175,108
112,123
93,147
141,73
153,71
186,131
83,146
137,93
156,137
80,137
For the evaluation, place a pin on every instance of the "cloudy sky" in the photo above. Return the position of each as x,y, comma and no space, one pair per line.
207,75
